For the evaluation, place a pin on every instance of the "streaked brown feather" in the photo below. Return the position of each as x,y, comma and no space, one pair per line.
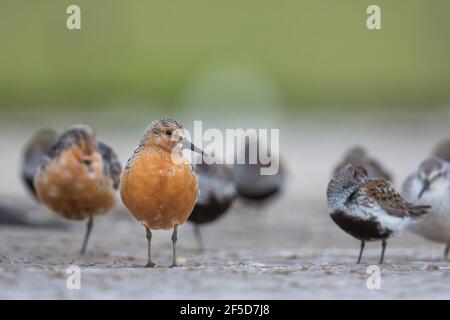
384,194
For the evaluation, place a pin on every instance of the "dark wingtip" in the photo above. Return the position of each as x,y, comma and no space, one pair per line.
419,210
34,152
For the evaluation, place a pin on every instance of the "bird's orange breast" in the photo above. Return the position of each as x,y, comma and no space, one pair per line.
75,188
159,192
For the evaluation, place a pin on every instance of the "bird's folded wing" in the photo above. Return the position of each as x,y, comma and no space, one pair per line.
111,163
384,194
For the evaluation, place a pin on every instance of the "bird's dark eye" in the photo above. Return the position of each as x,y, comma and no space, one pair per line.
437,176
169,132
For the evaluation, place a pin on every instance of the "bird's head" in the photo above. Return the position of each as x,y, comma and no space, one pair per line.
431,172
79,136
352,175
167,134
344,184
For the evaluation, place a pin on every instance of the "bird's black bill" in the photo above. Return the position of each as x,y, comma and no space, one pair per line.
425,187
189,145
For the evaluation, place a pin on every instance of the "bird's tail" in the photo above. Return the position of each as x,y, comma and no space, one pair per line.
35,150
418,210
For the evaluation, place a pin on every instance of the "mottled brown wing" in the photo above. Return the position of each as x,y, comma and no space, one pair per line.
384,194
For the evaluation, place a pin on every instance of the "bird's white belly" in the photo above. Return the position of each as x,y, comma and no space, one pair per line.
395,224
433,227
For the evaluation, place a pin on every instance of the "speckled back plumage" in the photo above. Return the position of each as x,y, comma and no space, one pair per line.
76,135
383,194
78,176
368,208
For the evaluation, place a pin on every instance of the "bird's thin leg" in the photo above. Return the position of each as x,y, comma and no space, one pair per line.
198,237
446,251
148,233
361,251
174,244
87,234
383,248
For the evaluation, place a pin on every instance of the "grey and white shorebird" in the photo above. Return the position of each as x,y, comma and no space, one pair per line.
430,184
217,193
254,187
358,156
369,209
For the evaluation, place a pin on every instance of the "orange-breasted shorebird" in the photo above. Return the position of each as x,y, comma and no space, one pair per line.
252,186
368,209
79,177
442,150
35,151
217,193
358,156
159,186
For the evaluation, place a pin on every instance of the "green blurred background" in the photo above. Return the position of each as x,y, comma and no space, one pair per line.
291,55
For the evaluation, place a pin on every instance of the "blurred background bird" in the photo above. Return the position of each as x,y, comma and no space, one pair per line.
12,215
253,187
159,186
442,150
430,184
217,193
34,152
78,177
358,156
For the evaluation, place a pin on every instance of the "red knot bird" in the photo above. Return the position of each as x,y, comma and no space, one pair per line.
159,186
79,177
